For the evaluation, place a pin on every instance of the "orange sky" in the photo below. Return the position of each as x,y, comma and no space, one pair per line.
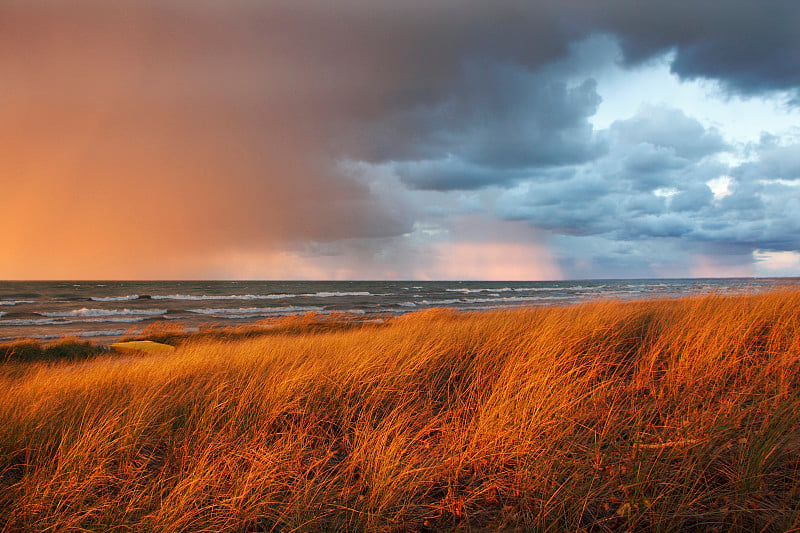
136,143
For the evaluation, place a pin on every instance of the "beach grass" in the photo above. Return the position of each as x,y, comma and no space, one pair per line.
659,415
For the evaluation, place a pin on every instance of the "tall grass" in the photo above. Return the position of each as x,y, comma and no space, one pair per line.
646,415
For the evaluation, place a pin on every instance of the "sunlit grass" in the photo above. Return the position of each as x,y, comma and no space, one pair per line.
659,415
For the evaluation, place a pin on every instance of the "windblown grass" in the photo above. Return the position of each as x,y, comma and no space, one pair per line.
647,415
30,350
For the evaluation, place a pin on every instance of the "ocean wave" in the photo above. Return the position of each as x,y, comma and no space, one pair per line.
200,297
101,333
16,302
34,322
65,321
21,314
468,291
121,320
115,298
516,299
325,294
500,301
84,312
524,289
441,302
554,289
620,292
266,315
255,311
321,294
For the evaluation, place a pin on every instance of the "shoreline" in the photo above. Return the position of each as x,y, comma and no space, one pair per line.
105,312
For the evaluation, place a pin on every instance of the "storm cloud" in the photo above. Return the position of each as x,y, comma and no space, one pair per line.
191,129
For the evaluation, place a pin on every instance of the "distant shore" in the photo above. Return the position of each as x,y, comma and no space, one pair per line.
650,414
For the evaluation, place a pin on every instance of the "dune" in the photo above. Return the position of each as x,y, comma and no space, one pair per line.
650,415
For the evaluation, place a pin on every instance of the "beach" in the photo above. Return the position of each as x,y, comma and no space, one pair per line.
666,414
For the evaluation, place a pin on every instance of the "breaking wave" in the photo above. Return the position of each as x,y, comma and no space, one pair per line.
254,311
84,312
325,294
200,297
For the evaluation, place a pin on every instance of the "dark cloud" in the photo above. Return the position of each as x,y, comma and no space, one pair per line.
451,173
749,46
501,124
667,225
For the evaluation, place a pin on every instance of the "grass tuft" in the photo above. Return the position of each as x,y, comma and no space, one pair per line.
65,349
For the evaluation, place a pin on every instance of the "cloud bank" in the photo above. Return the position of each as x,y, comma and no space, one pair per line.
363,139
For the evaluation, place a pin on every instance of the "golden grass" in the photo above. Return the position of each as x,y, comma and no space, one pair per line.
646,415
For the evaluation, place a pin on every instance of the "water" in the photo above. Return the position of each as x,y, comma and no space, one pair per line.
105,310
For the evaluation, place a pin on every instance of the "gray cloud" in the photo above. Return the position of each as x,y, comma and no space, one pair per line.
502,123
651,186
749,46
671,132
452,173
774,162
694,198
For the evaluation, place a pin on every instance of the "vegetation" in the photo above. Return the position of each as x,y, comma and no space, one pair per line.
28,350
644,415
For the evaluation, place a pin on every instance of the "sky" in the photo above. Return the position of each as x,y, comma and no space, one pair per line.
560,139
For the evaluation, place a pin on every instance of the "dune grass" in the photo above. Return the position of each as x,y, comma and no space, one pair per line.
30,350
644,415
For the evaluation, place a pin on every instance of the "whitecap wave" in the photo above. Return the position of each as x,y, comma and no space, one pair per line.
102,333
440,302
515,299
254,311
468,291
65,321
114,298
498,301
553,289
267,315
16,302
121,320
523,289
84,312
200,297
325,294
35,322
